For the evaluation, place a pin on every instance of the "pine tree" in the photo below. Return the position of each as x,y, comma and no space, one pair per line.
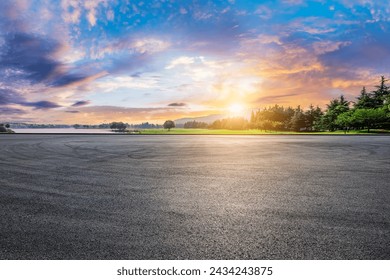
381,92
253,120
298,121
365,100
313,117
335,108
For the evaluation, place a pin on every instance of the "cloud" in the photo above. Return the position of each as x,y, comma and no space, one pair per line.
217,52
111,84
269,99
91,18
10,111
183,60
369,51
71,11
149,45
323,47
293,2
32,57
264,12
128,46
91,8
41,105
315,25
266,39
81,103
110,15
125,55
177,104
68,79
136,75
9,97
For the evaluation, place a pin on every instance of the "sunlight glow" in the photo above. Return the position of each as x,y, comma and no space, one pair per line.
236,109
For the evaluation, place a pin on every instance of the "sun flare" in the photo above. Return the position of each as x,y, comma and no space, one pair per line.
236,109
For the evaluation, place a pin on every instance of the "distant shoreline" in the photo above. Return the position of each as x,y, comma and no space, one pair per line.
179,131
63,131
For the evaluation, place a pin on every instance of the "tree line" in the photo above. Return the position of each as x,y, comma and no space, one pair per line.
5,128
370,110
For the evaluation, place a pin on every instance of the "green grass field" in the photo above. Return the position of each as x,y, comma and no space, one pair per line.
182,131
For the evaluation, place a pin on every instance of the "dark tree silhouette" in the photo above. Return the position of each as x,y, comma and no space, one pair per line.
169,124
120,126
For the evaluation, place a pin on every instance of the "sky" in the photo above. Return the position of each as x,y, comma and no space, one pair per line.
99,61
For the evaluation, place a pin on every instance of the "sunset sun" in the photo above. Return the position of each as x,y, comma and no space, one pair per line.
236,109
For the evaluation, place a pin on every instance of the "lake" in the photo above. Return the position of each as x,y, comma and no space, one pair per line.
62,130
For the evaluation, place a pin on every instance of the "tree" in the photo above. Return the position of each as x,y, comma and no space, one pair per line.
120,126
386,103
334,108
169,124
313,118
346,120
362,118
252,120
195,124
237,123
298,121
2,128
365,100
5,128
276,117
369,118
381,92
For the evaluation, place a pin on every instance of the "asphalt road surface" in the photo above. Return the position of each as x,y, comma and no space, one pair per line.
194,197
